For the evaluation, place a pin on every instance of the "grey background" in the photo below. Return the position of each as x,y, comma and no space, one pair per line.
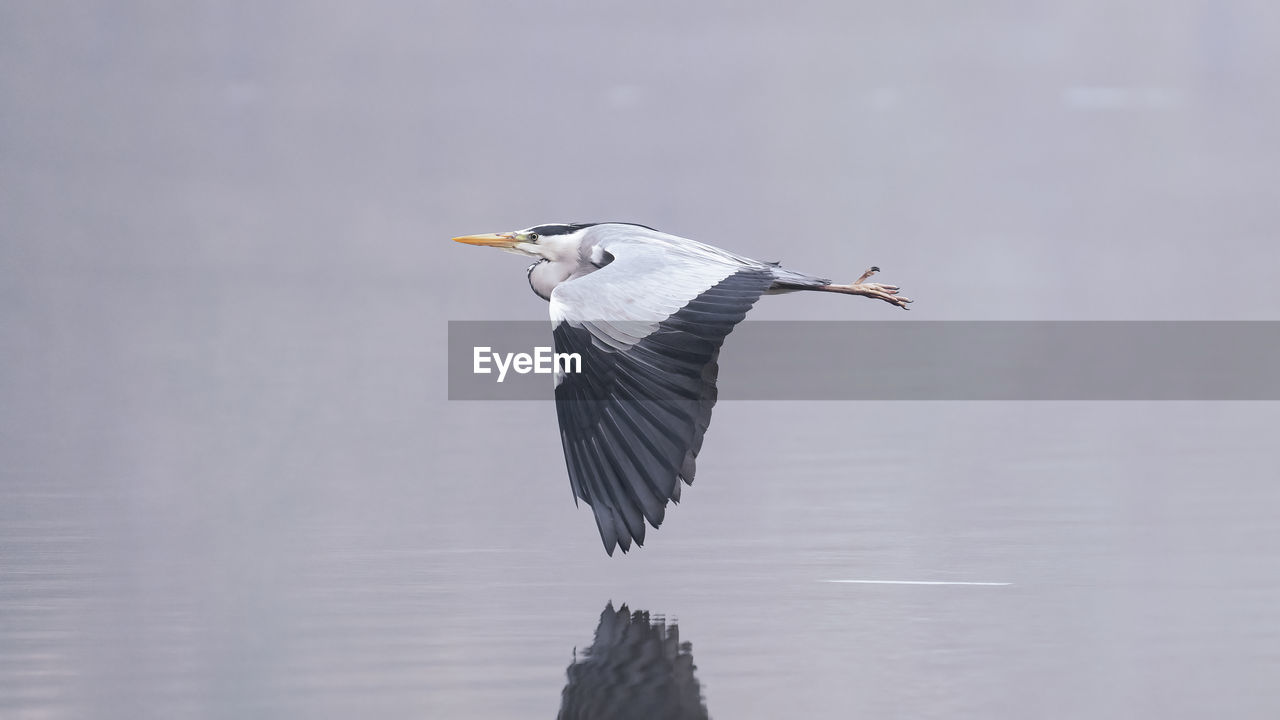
232,484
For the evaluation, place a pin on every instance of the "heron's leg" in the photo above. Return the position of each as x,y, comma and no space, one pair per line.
878,291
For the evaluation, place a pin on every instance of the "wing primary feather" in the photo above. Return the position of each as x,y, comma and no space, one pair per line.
658,474
656,430
606,519
626,504
623,455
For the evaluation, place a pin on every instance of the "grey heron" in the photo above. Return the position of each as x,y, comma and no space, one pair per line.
647,313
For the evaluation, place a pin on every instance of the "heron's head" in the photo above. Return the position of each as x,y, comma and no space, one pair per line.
551,241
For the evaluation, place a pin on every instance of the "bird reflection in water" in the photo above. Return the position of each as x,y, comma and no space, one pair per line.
636,668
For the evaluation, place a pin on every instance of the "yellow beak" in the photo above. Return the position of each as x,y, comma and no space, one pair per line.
498,240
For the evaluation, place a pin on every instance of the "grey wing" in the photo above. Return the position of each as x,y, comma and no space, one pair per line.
648,328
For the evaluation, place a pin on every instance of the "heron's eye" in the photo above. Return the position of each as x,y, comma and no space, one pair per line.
532,237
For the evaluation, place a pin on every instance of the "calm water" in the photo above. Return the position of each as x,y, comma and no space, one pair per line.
231,484
1139,542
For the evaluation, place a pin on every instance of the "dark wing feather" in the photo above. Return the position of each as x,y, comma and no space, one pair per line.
633,420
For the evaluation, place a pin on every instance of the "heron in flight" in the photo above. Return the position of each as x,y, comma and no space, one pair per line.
647,313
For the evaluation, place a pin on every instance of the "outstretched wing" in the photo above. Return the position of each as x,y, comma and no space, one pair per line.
648,327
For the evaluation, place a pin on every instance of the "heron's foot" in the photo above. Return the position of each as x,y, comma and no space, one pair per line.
878,291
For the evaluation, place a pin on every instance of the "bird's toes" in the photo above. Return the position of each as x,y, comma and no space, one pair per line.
883,289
